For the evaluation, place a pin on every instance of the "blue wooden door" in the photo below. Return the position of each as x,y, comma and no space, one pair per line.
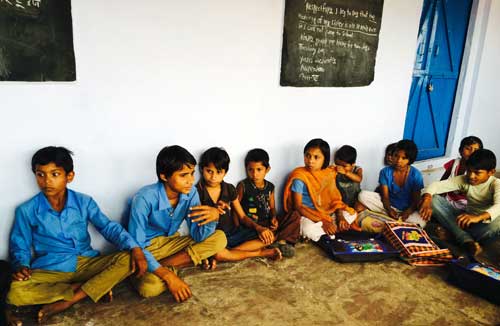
441,39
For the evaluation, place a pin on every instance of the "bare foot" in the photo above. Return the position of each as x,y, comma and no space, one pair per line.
473,248
209,264
108,298
273,253
51,309
12,319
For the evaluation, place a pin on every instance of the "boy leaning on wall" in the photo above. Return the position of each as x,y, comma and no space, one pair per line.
54,224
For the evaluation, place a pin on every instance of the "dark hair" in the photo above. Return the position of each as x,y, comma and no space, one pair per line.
60,156
409,147
257,155
346,153
482,159
389,150
217,156
171,159
323,147
470,140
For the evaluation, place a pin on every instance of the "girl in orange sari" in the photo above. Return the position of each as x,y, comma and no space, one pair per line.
312,191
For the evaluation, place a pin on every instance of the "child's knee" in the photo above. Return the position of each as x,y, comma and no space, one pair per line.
218,240
150,286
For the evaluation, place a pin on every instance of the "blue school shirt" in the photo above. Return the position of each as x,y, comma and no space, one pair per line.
151,216
400,197
300,187
58,238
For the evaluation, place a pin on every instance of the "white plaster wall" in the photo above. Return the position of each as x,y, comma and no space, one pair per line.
196,73
484,122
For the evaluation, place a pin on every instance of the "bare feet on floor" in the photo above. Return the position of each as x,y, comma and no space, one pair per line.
272,253
51,309
473,248
209,264
12,319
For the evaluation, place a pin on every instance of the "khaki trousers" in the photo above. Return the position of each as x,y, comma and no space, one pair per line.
97,276
151,285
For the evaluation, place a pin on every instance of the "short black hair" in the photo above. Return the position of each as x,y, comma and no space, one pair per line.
171,159
389,150
470,140
323,147
482,159
346,153
409,147
58,155
257,155
217,156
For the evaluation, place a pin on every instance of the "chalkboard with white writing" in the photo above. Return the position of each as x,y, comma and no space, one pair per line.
330,42
36,41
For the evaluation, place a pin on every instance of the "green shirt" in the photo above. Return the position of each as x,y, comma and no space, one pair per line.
484,197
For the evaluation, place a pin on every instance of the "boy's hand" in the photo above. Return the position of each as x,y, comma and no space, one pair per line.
465,220
426,207
274,224
329,227
203,214
177,287
138,261
404,216
22,274
340,169
266,236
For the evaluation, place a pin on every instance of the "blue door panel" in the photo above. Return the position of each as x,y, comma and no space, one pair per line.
441,38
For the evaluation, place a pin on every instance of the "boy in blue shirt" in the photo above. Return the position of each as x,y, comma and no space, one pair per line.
54,224
157,213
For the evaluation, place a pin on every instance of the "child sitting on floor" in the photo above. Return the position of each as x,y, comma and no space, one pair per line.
456,167
256,196
400,186
479,221
349,175
245,237
312,191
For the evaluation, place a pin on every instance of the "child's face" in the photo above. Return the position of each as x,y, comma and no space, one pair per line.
314,159
476,177
52,179
347,166
389,158
468,150
212,176
181,181
400,160
256,171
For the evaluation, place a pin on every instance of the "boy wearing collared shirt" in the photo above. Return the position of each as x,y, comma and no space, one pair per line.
480,220
54,224
156,215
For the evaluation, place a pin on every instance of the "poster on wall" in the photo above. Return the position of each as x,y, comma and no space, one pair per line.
330,42
36,41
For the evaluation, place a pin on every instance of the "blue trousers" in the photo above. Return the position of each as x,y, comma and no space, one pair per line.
447,215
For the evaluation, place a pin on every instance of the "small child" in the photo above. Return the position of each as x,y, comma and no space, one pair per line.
349,175
456,167
479,221
400,186
245,237
256,196
311,190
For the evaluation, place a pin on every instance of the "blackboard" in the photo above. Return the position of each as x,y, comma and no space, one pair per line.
36,41
330,42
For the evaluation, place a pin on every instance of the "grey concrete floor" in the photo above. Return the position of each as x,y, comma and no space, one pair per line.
309,289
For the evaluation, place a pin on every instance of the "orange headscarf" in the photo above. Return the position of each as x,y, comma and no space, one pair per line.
322,189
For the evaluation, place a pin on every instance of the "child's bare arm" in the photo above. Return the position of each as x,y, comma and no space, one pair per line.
239,191
272,207
353,176
415,199
386,202
265,234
